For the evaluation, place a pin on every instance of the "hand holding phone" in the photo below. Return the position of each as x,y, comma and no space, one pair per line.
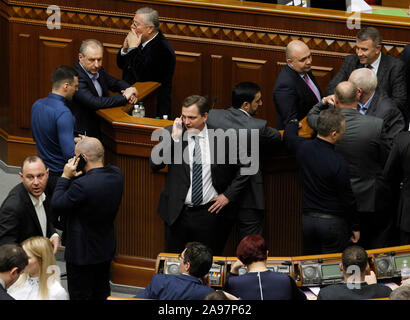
81,163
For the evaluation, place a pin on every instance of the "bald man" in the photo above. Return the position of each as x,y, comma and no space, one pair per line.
374,102
91,202
296,90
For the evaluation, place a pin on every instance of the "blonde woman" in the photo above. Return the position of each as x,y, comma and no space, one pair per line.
41,277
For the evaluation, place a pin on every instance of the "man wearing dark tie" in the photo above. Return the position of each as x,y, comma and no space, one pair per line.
296,90
389,70
94,85
199,188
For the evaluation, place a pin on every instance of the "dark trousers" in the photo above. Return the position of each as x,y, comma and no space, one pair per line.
324,235
198,224
250,221
89,282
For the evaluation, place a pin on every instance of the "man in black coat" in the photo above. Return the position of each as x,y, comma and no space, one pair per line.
405,57
146,55
26,211
13,260
390,71
90,203
201,184
374,102
94,85
246,99
296,90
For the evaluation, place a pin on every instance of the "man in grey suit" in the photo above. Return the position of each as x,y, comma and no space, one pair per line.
374,102
246,99
390,71
365,146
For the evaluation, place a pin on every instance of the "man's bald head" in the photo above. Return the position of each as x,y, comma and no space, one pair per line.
298,56
364,79
92,148
346,95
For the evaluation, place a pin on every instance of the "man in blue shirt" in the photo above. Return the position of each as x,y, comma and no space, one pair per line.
191,284
52,122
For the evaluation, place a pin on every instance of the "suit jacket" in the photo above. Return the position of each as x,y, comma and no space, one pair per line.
18,218
397,171
226,178
86,101
4,295
390,78
384,108
253,195
175,287
156,62
293,98
90,203
405,57
365,147
342,292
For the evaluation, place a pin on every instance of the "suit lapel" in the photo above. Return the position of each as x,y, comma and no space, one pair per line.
31,211
382,71
90,83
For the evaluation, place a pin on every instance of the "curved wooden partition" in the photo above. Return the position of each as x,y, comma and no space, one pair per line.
218,43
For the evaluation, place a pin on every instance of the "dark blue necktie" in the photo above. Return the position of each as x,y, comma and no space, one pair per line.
196,174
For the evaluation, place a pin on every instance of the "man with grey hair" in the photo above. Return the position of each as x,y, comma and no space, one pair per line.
94,85
330,220
365,147
374,102
146,55
296,90
389,70
90,204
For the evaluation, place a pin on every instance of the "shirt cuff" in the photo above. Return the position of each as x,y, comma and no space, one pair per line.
55,235
123,53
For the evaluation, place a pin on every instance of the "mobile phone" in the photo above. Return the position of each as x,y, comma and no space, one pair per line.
81,163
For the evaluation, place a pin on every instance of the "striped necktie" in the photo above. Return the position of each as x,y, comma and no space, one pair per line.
196,197
309,83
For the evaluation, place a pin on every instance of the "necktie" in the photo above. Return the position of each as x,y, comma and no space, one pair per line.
369,66
196,174
361,109
309,83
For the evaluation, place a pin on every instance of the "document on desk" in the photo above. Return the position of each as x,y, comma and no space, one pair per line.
391,285
315,290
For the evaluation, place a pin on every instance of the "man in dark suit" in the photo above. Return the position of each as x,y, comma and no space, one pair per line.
405,57
146,55
390,71
201,184
397,174
246,99
191,284
90,203
365,147
296,90
13,260
374,102
26,211
355,267
94,85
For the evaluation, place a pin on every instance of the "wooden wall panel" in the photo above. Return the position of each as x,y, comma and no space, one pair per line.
4,71
187,78
27,81
217,78
110,59
53,52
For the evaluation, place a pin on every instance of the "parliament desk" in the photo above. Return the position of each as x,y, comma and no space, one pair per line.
217,44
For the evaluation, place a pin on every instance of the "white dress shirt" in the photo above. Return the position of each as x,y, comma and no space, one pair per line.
375,64
208,190
41,212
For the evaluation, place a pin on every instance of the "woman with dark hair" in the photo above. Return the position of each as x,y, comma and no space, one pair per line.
259,283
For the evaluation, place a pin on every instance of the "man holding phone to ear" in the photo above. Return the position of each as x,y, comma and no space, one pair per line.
90,204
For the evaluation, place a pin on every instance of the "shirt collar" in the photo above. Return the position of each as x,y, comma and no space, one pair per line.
146,42
2,283
37,202
202,134
367,104
375,64
58,97
90,75
245,112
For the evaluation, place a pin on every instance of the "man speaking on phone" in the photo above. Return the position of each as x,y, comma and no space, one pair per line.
90,204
